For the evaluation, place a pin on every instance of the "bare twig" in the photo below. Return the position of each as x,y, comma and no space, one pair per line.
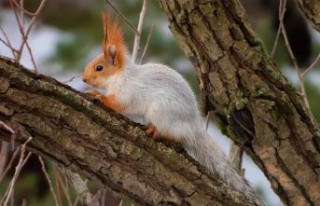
208,119
13,157
282,12
7,42
4,125
24,10
62,184
293,58
25,33
21,163
10,130
312,65
24,202
285,36
235,157
276,41
137,37
48,180
4,153
32,57
71,79
147,43
122,16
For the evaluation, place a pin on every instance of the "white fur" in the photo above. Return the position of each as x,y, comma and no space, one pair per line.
164,98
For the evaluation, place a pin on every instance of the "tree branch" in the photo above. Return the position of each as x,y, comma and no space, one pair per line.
243,85
311,10
102,145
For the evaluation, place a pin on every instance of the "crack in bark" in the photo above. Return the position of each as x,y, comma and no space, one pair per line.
295,181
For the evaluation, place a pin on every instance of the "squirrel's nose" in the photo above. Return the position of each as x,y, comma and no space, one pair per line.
84,80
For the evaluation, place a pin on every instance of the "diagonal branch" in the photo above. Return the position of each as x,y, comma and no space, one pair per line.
102,145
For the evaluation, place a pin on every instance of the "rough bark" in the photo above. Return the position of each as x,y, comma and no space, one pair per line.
311,10
102,145
258,107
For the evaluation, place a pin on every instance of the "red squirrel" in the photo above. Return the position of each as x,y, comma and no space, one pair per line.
163,98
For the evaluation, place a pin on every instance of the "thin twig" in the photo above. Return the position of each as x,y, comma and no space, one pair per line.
13,157
282,11
208,120
122,16
48,180
24,202
62,184
24,10
71,79
21,29
293,58
58,185
137,37
25,33
32,57
4,154
235,157
4,125
312,65
276,41
21,11
147,43
8,43
10,130
286,40
21,163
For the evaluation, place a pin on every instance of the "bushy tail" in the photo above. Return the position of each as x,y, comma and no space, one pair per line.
210,155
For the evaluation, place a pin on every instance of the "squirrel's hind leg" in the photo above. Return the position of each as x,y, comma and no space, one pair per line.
156,135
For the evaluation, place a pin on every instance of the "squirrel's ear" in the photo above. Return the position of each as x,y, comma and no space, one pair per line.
113,45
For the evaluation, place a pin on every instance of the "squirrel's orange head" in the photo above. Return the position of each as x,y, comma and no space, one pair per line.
111,61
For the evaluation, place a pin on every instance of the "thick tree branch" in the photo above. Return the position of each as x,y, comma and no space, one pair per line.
311,10
102,145
259,108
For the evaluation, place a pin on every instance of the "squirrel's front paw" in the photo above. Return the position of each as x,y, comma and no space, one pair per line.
93,95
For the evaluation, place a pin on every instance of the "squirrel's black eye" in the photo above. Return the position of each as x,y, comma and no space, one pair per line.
99,68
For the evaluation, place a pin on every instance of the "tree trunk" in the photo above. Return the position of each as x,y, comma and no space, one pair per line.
311,10
258,107
102,145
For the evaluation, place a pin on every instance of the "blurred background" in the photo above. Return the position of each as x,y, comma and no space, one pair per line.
68,34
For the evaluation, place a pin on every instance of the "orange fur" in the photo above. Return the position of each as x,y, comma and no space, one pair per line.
152,130
113,57
97,78
111,102
113,38
112,61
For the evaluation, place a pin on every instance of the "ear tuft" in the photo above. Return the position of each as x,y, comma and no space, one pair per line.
113,45
113,53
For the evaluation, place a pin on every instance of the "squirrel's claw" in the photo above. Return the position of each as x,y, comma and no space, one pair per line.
152,130
93,95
